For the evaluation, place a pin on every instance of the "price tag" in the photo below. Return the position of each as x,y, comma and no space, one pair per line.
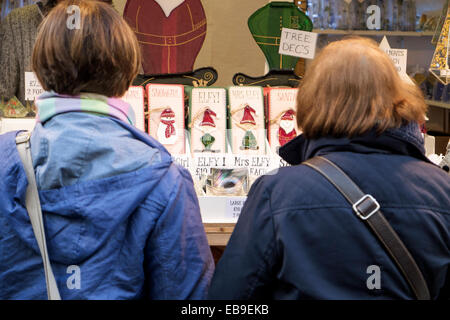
234,207
33,87
298,43
398,56
258,165
203,162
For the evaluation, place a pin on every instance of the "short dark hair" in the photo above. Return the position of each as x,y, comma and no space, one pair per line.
102,56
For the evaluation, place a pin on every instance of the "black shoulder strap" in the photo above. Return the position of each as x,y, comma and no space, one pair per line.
368,210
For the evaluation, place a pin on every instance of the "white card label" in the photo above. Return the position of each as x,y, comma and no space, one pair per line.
234,207
298,43
135,97
33,87
399,56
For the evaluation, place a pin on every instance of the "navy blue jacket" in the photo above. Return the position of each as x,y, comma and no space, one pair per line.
298,238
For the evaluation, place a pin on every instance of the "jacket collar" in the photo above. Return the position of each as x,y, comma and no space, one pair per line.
406,140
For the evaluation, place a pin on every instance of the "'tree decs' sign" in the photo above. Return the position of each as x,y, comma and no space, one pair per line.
298,43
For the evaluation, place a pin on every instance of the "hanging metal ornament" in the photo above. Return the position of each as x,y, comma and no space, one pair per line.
439,64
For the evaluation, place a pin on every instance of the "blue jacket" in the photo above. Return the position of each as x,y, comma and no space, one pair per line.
297,237
122,220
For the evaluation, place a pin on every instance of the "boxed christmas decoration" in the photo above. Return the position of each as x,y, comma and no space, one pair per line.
166,116
207,120
282,120
135,98
247,120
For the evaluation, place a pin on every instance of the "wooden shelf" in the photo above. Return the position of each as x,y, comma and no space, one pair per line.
218,234
440,104
375,33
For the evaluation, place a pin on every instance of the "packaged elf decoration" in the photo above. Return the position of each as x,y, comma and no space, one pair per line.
282,126
207,120
247,120
135,98
166,116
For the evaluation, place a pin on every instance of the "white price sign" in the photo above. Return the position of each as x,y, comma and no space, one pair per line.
33,87
399,57
234,207
298,43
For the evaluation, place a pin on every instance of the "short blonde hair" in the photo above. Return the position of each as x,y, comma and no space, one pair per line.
352,87
103,56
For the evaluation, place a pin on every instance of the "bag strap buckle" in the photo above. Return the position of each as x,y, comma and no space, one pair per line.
366,207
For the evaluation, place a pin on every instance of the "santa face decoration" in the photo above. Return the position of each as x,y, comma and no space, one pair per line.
287,131
282,117
167,134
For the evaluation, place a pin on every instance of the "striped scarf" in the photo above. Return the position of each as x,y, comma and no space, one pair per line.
50,104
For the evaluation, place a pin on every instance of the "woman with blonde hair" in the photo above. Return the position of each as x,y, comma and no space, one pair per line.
298,237
121,219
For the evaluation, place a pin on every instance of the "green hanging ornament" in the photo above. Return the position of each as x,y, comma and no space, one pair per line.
249,141
207,141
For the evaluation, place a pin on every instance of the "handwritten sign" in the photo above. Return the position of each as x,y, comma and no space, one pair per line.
234,207
203,162
298,43
398,56
135,97
33,87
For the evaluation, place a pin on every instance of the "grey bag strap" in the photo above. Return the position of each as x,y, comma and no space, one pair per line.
368,210
33,206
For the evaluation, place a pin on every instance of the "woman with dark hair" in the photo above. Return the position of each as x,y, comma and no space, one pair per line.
17,35
115,206
298,237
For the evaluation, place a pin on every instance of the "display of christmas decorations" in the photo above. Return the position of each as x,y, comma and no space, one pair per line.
247,119
166,116
208,120
135,98
282,126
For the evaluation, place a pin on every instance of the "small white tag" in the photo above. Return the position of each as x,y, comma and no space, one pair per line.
398,56
33,87
234,207
298,43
